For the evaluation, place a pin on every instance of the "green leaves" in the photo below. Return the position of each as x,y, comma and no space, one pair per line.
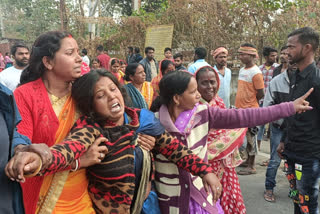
25,19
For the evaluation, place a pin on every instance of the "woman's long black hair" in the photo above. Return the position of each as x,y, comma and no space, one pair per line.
46,44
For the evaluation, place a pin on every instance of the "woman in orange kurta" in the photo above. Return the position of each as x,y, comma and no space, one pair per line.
48,113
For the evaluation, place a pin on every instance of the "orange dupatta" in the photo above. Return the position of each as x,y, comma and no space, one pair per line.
65,192
155,85
147,93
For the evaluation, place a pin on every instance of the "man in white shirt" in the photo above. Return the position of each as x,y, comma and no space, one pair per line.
220,55
10,77
85,58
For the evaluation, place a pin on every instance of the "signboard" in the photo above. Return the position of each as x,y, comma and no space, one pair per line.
159,37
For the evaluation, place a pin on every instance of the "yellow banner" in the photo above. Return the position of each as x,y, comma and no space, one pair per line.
159,37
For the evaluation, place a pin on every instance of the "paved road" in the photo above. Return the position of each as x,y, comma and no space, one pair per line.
252,187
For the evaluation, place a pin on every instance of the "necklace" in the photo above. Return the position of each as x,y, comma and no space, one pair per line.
53,98
49,92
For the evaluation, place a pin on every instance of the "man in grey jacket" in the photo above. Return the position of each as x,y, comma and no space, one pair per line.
276,93
149,64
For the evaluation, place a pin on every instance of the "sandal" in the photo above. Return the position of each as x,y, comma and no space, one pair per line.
244,164
269,196
247,171
264,163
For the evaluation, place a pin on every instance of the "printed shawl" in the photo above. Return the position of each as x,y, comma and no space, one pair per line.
136,96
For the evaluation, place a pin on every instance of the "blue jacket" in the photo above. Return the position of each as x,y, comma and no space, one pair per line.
147,68
12,117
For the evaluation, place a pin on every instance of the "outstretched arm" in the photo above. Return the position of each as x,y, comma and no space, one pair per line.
238,118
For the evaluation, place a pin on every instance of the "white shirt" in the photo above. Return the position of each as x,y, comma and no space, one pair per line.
86,59
10,77
225,85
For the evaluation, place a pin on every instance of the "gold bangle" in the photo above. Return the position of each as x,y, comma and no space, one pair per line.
37,170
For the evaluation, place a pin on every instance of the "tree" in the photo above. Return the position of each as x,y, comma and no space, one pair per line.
24,19
219,23
124,7
63,15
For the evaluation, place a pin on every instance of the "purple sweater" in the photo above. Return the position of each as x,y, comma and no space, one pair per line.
176,186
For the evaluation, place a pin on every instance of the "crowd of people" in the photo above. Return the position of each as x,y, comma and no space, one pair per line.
140,136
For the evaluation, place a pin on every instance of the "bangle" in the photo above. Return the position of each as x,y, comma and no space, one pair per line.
77,166
36,171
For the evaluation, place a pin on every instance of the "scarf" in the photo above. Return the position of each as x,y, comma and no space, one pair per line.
113,181
249,50
57,193
218,51
137,98
155,84
223,143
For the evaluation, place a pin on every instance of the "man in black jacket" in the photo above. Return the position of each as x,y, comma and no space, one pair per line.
300,143
149,64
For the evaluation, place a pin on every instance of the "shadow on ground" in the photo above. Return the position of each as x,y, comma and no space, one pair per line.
252,187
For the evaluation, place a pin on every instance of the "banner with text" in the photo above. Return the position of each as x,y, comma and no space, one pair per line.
159,37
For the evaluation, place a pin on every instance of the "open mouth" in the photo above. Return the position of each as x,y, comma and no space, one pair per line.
115,107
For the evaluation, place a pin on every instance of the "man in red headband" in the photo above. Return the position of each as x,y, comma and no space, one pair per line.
250,91
220,55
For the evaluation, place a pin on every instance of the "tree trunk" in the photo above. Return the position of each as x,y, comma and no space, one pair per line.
81,24
136,4
63,15
2,27
92,11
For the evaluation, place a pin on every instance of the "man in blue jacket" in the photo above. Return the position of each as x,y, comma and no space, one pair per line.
11,196
149,64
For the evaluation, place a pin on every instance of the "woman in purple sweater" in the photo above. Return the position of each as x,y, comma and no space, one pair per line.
182,116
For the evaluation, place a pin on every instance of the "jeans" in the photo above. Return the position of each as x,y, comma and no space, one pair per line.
261,129
306,172
260,132
275,160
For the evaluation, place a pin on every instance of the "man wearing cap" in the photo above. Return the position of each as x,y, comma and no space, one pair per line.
250,91
220,56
